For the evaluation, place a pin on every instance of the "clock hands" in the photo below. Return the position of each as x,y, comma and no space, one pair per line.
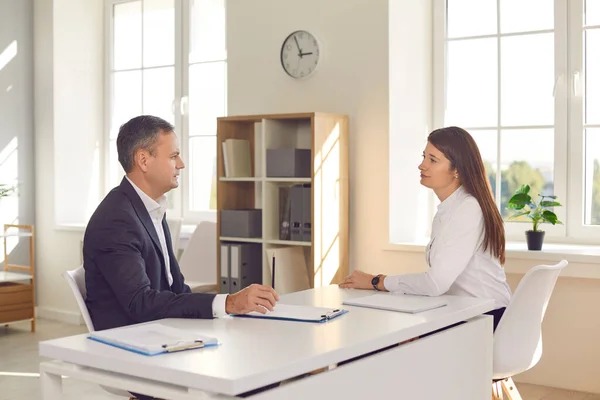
298,46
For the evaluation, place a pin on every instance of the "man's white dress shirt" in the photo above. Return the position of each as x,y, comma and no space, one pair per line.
157,212
457,263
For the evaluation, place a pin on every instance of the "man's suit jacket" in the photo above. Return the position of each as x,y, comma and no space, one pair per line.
124,267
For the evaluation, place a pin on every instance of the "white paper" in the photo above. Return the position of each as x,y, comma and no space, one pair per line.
150,338
397,302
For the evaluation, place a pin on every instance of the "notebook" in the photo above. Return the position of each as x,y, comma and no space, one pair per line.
152,339
398,302
297,313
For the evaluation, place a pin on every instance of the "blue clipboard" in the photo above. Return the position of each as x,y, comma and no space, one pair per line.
286,312
152,339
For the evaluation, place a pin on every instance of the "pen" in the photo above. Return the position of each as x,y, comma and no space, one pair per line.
183,346
273,274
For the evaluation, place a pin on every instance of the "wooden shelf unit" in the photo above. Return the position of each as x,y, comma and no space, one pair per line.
17,287
326,135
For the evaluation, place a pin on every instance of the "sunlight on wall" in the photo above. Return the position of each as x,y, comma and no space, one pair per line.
327,212
9,174
8,54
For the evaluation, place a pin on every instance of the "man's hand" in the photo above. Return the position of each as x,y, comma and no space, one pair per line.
357,280
255,297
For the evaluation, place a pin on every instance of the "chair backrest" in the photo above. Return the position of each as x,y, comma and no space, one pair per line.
518,337
199,259
76,280
175,230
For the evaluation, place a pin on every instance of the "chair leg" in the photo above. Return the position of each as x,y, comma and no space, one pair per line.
33,325
508,386
496,391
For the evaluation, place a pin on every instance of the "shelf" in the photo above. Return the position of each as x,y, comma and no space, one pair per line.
251,179
291,180
6,276
326,136
288,243
240,239
16,234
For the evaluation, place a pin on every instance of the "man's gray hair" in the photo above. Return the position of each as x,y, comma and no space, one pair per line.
139,133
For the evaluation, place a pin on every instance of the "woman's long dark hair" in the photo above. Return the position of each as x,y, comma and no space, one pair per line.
462,151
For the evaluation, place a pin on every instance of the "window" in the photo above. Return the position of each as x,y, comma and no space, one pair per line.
168,58
520,76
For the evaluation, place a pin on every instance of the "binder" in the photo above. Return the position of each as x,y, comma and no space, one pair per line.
225,267
152,339
296,213
287,312
400,302
245,265
306,213
284,213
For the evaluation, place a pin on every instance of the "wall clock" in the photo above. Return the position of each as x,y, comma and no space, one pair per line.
300,54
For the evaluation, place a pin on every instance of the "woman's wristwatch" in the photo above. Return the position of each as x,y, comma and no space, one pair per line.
375,282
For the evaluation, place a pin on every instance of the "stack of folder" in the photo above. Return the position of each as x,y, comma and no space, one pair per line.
241,266
295,213
236,158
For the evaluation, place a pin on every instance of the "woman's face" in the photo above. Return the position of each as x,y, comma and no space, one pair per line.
435,169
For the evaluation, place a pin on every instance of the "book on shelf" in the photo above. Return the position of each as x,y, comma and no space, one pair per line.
236,158
288,266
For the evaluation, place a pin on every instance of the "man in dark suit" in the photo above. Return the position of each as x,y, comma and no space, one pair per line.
131,272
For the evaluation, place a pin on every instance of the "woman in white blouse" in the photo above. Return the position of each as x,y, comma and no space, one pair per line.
466,250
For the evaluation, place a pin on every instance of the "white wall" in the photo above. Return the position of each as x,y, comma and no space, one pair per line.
354,79
78,107
16,114
68,110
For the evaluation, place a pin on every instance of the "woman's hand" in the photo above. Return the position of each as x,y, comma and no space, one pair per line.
357,280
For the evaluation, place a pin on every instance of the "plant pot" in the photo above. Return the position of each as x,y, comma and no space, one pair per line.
535,239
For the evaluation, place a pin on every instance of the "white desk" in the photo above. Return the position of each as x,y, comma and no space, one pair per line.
453,364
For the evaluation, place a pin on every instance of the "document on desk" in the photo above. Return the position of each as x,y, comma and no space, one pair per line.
289,312
397,302
152,339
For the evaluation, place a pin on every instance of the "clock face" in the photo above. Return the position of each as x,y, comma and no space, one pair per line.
300,54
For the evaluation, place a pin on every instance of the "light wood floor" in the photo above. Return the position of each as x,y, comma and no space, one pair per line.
19,362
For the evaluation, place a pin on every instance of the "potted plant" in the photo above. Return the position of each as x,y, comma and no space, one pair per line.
5,190
539,212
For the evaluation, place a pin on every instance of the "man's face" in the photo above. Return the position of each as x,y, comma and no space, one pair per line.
162,167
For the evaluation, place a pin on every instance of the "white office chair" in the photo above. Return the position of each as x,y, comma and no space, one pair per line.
518,337
175,230
198,262
76,280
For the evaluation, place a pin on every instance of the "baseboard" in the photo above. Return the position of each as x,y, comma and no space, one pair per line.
68,317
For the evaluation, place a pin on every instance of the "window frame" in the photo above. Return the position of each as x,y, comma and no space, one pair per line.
180,197
569,150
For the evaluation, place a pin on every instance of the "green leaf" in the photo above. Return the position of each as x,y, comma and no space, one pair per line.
517,215
520,198
546,203
551,197
551,217
524,189
513,206
6,190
